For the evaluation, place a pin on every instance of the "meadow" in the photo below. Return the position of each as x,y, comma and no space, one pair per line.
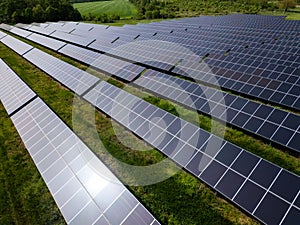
122,8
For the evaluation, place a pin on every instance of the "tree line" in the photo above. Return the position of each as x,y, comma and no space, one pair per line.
152,9
27,11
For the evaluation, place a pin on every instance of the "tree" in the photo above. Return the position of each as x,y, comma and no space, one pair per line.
13,11
16,16
285,4
28,15
38,13
148,15
51,14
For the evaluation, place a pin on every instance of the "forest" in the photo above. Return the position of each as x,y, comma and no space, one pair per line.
27,11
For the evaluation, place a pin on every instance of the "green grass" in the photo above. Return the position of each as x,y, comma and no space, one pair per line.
293,15
123,8
181,199
122,22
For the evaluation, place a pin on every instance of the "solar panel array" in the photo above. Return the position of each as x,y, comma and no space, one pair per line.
276,91
84,189
261,61
276,125
76,39
48,42
121,69
20,32
13,92
2,35
273,124
75,79
249,76
16,45
254,184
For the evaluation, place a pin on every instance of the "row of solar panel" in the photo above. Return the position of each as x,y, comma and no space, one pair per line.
238,21
288,60
180,26
266,23
273,124
189,94
105,46
274,74
84,189
258,57
282,64
235,173
227,33
268,70
281,93
233,40
122,69
251,182
161,66
230,46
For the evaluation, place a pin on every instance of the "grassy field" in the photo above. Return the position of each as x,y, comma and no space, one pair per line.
123,8
293,14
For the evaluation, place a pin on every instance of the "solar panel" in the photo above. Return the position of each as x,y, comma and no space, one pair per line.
46,41
75,79
20,32
75,39
84,189
6,27
41,30
121,69
237,174
258,68
16,45
278,92
2,35
13,92
101,45
116,67
265,121
81,54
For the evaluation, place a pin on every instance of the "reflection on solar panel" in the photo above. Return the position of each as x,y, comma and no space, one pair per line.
16,45
273,124
47,42
272,90
13,92
2,35
121,69
20,32
75,79
84,41
84,189
6,27
84,55
254,184
41,30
